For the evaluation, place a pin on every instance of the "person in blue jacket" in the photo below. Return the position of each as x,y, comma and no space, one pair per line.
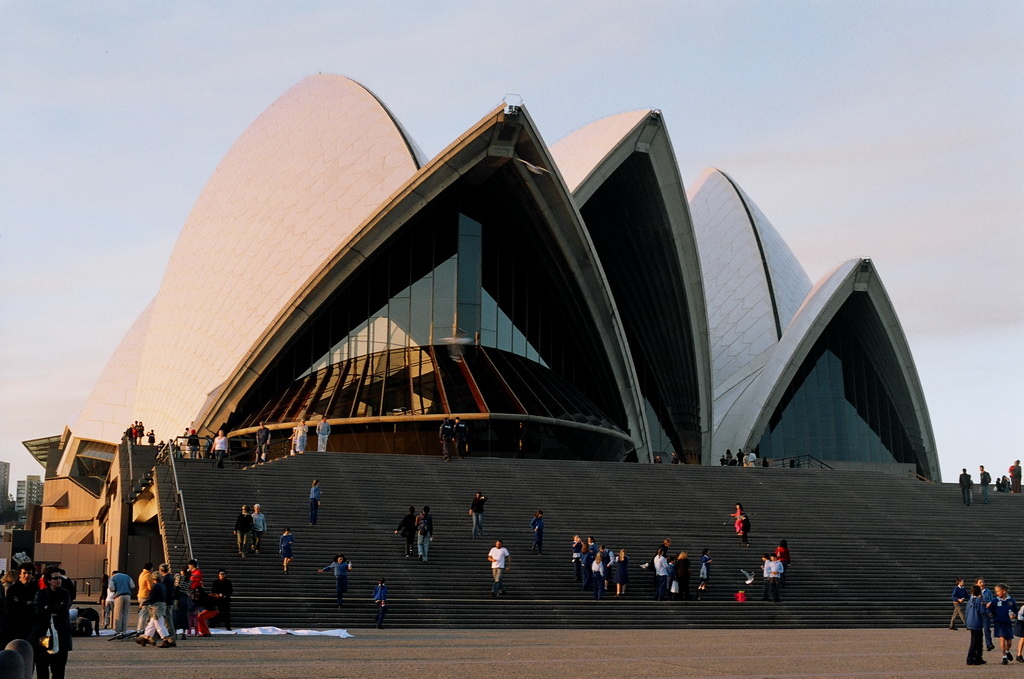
959,599
380,597
986,623
340,568
537,524
1003,610
976,615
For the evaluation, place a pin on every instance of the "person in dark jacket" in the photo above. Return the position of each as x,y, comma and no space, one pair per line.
407,529
243,531
222,590
976,615
20,604
52,611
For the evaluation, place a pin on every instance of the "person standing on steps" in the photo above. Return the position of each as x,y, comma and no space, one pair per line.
621,573
775,571
323,432
984,479
959,600
243,531
741,523
259,527
1015,477
340,567
705,572
537,524
424,533
446,435
577,557
500,561
407,529
314,502
461,438
965,487
380,597
221,447
285,548
299,433
262,443
476,511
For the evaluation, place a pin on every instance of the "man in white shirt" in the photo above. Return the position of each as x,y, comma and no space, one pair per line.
499,559
663,573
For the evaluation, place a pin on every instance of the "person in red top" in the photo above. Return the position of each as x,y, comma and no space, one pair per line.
782,553
195,576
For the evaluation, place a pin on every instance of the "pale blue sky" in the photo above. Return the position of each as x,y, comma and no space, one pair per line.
893,130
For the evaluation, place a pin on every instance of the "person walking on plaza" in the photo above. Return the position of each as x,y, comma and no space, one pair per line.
380,598
500,561
223,591
424,533
299,433
974,622
51,633
986,621
1003,610
262,443
407,529
537,524
323,432
476,511
121,585
145,586
285,548
984,480
154,609
259,527
1015,477
20,598
243,531
965,487
340,567
959,600
314,502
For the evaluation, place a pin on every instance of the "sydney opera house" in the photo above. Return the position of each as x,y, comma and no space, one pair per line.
569,301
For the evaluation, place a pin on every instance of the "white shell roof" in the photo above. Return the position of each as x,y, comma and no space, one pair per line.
110,407
296,184
580,152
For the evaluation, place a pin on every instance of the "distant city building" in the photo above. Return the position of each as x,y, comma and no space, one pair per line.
30,492
5,481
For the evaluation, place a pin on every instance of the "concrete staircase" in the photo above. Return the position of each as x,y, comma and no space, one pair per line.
869,549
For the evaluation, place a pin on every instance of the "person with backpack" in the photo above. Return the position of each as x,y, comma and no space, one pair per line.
424,533
984,479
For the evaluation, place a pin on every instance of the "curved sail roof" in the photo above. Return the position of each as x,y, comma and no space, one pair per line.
300,180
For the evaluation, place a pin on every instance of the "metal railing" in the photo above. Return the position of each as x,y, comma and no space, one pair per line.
166,456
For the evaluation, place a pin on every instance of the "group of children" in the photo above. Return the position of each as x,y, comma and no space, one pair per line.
992,615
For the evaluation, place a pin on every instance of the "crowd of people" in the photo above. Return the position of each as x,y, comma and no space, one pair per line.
987,614
1008,483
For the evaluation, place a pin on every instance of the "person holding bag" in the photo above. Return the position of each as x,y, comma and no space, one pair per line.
51,633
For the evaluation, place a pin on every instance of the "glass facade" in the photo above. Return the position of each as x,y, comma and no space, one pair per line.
469,310
848,401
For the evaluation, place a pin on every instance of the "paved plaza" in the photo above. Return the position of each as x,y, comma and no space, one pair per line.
546,653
